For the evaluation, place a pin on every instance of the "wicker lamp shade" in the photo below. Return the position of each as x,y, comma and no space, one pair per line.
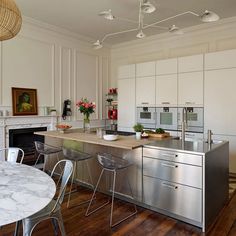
10,19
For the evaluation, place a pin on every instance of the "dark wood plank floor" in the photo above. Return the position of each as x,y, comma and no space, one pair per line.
146,222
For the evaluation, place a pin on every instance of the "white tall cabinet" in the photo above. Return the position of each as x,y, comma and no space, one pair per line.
126,97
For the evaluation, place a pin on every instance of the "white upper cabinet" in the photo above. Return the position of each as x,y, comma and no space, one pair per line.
190,89
145,69
126,71
220,60
168,66
145,91
220,100
166,90
190,63
126,104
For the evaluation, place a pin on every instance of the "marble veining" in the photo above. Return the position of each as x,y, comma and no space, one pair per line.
24,190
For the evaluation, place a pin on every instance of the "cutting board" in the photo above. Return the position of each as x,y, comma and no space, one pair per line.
165,135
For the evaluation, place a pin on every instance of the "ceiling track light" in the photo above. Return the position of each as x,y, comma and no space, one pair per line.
146,7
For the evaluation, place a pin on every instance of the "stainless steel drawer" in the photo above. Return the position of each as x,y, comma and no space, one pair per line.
172,171
175,198
191,159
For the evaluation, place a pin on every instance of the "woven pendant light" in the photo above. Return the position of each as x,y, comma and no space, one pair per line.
10,19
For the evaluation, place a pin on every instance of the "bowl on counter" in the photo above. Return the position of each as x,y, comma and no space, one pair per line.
63,127
110,137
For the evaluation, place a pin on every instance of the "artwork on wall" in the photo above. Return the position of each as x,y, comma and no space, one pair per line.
24,101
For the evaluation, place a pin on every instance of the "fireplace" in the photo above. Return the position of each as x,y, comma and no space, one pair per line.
24,138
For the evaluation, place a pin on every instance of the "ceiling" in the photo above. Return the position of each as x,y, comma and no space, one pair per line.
81,16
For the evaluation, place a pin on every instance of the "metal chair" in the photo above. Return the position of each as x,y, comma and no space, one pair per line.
53,209
111,164
45,150
76,156
11,154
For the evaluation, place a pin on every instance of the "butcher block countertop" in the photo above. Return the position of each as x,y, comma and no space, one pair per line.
125,142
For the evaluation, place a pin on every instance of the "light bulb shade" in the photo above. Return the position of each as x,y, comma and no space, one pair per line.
175,30
209,16
140,35
97,45
10,19
148,7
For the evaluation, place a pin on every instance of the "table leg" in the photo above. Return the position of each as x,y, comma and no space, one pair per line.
17,228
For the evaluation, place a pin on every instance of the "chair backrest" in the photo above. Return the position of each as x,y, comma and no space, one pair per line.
11,154
39,146
66,174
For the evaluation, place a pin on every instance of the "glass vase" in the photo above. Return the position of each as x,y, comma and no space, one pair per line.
86,123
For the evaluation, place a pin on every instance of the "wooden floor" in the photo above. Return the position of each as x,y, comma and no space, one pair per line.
146,223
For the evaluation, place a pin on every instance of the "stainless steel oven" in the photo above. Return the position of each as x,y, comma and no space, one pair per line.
194,119
147,117
166,118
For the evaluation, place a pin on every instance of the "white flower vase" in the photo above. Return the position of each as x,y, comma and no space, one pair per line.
138,135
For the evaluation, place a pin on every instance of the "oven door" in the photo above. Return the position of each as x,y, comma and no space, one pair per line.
166,118
194,119
146,116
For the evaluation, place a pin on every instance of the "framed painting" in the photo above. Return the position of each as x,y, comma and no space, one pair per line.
24,101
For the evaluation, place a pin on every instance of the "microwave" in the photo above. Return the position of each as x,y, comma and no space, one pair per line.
166,118
194,119
147,117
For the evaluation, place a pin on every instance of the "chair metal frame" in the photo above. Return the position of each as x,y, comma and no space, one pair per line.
44,153
113,170
12,154
84,157
55,212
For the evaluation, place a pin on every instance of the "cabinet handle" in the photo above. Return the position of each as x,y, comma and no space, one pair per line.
189,103
169,165
145,103
172,186
169,155
165,103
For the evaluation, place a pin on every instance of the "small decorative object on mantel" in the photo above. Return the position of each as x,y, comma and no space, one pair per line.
10,19
24,101
86,107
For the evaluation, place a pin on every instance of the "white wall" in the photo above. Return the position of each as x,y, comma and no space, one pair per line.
59,64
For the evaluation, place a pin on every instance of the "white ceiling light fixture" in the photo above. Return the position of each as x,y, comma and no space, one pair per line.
146,7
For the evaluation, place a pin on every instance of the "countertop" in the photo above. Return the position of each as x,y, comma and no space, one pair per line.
125,142
195,147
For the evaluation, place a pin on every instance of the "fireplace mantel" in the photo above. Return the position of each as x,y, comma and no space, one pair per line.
19,122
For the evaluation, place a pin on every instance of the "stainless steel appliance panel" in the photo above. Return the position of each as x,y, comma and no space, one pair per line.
173,171
175,198
166,118
146,116
173,156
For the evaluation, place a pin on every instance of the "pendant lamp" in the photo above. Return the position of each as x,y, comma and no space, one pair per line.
10,19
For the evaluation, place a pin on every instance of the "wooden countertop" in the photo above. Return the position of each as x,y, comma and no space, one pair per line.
125,142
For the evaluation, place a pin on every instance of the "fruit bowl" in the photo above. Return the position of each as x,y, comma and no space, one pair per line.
110,137
63,127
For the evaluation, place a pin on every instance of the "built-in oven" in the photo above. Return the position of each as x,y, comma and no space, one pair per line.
147,117
195,119
167,118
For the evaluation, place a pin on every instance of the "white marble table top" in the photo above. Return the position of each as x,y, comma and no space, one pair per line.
24,190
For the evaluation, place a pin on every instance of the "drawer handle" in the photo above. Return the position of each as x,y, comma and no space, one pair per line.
169,155
170,186
169,165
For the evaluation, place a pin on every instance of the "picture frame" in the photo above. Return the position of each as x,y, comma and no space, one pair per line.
24,101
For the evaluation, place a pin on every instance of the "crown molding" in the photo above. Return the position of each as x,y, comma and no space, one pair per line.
226,23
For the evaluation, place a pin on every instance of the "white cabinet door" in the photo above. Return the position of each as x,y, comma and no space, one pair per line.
126,71
166,90
126,104
146,69
190,63
168,66
190,89
222,59
220,101
145,91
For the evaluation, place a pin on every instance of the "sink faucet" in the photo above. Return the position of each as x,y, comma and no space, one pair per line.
184,123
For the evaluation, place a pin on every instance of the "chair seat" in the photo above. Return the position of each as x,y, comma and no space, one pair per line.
111,162
74,155
48,151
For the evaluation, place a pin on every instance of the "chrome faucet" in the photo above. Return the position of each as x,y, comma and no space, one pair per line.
184,123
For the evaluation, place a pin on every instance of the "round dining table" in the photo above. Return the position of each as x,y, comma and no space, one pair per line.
24,190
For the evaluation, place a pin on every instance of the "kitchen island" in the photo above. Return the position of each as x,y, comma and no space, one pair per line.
187,181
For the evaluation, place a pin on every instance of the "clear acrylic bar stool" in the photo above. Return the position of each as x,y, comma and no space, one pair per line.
77,156
111,164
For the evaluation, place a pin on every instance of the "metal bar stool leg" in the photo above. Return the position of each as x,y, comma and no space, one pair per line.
37,159
94,192
72,181
89,173
113,193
